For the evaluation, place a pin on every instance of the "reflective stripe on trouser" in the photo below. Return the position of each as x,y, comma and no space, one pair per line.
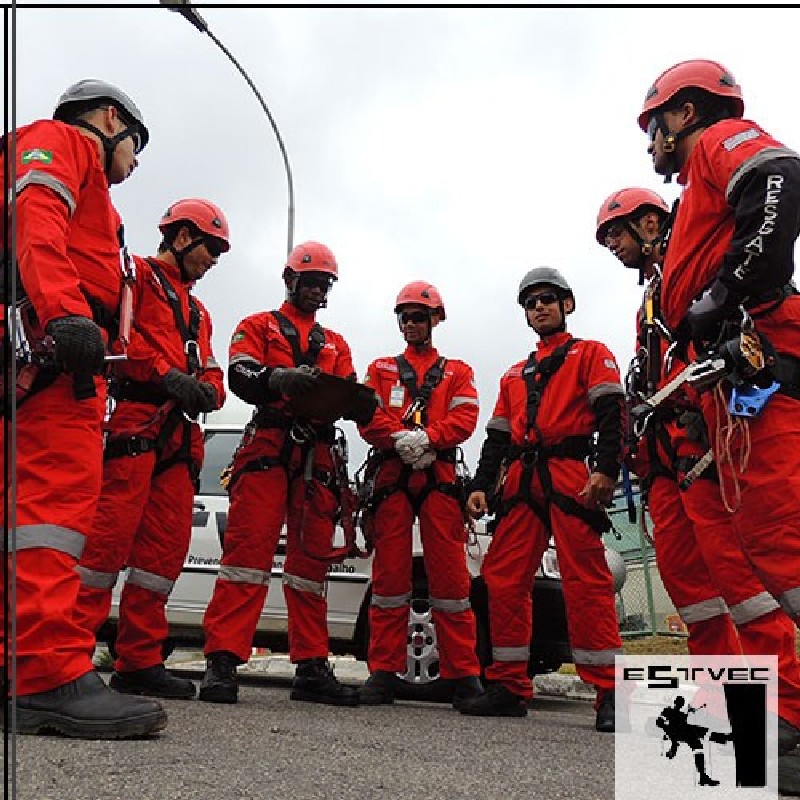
443,539
768,519
58,463
126,486
156,560
255,519
304,576
509,569
686,574
761,624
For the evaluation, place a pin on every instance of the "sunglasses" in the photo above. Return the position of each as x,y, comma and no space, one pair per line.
652,128
214,246
417,317
315,282
137,142
546,298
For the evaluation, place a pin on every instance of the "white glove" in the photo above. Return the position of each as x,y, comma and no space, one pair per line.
410,445
425,460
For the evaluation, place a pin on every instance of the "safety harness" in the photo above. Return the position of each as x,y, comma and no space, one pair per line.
168,413
415,416
534,457
304,436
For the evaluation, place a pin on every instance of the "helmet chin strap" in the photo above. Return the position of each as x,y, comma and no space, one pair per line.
180,255
109,142
671,140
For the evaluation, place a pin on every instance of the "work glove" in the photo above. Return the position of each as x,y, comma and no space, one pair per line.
707,315
192,395
410,445
425,460
293,381
79,345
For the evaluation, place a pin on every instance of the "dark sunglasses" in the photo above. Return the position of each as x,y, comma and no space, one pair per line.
315,282
546,298
214,246
417,317
137,142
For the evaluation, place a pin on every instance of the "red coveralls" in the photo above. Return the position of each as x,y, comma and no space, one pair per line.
700,559
67,248
144,517
262,499
515,553
730,159
452,414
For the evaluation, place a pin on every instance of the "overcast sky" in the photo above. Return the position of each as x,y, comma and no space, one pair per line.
460,146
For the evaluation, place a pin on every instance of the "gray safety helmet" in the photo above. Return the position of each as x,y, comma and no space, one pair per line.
92,89
540,275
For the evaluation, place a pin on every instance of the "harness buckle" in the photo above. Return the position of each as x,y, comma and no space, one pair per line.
529,456
301,433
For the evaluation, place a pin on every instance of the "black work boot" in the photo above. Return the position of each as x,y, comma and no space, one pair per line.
496,701
87,709
154,681
315,682
604,720
220,684
465,689
379,689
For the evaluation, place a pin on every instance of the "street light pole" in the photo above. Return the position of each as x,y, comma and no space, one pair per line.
188,12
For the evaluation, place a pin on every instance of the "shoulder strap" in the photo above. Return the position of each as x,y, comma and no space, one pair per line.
190,332
316,340
433,377
537,375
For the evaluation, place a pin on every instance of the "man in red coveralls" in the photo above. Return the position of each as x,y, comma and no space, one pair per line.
68,261
547,412
282,471
428,406
733,241
154,449
700,558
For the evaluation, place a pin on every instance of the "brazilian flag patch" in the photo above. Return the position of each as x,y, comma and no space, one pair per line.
237,337
37,154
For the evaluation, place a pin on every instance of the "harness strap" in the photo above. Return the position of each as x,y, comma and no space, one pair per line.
316,339
188,331
131,446
420,395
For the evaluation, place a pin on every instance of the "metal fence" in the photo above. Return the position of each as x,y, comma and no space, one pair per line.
643,606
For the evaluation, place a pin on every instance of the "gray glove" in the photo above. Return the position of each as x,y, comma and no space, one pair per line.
79,344
293,381
192,395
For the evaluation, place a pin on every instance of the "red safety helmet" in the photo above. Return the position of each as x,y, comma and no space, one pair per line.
420,293
699,73
208,218
624,203
313,257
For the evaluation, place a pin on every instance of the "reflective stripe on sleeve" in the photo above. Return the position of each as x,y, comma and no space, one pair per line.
460,401
761,157
391,601
53,537
258,577
239,357
150,581
499,424
700,612
95,579
303,584
604,389
38,178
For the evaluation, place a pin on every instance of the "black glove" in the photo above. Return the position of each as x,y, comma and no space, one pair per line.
293,381
363,409
79,344
211,397
190,392
707,315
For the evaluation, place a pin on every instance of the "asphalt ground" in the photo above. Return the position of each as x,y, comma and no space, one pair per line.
268,746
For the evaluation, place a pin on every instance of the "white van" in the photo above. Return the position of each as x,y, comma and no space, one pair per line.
349,589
